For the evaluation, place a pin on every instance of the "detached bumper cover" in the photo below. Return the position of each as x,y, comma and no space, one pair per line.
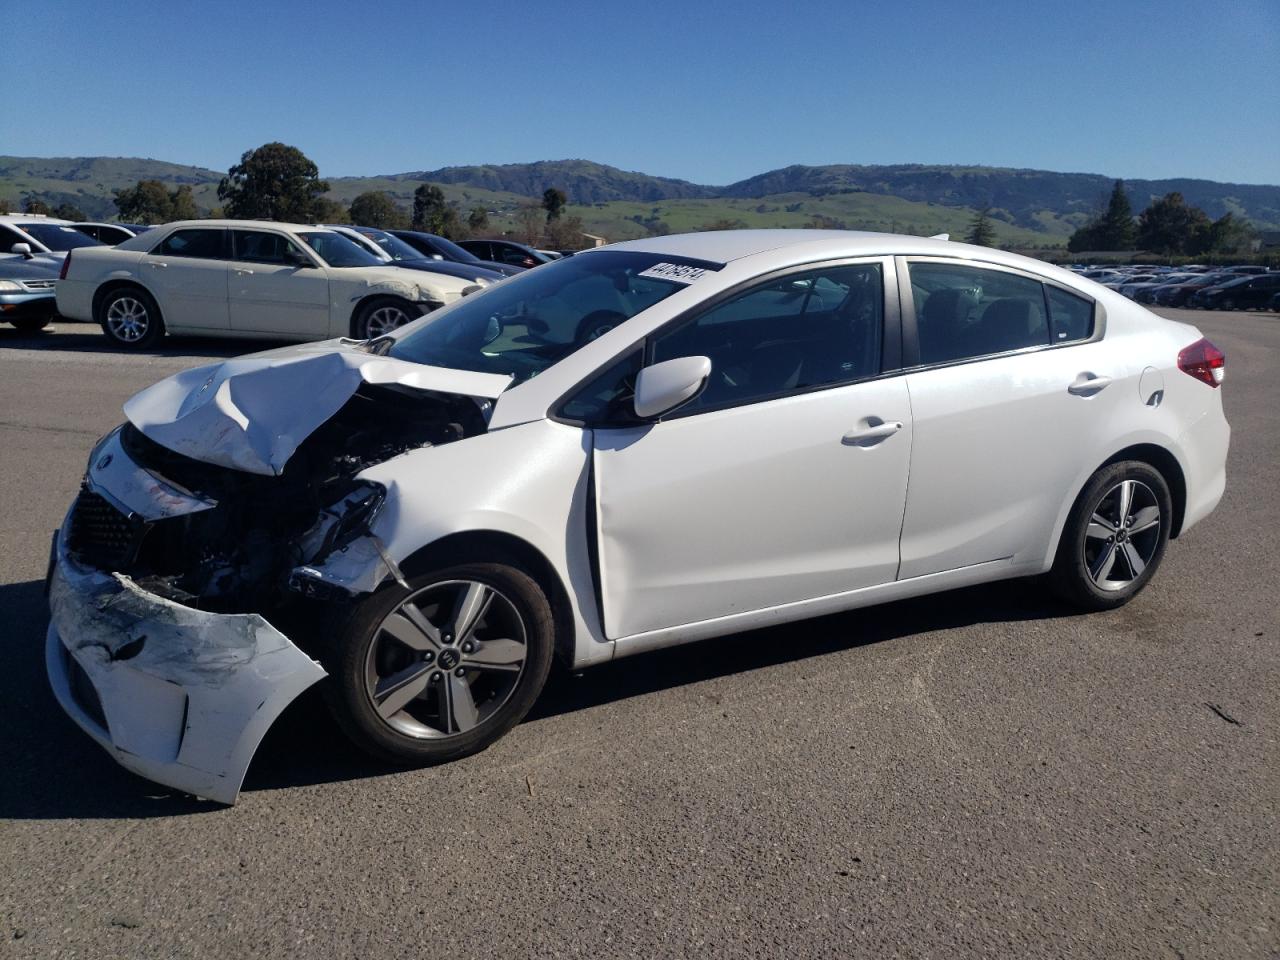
180,696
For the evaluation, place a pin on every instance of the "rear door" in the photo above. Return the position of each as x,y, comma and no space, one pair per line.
271,293
783,481
187,274
1011,391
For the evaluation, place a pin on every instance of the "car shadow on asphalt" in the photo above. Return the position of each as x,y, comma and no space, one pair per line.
87,338
53,771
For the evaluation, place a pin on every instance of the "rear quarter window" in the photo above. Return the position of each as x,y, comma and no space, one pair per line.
1070,316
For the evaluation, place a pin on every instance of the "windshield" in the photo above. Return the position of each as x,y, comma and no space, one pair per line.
452,251
393,247
523,325
337,251
58,237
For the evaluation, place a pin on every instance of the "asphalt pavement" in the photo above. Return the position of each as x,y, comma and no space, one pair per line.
982,773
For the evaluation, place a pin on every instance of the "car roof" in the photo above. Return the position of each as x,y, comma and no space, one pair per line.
21,218
723,246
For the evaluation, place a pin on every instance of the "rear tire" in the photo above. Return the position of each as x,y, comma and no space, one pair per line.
405,697
130,318
1114,538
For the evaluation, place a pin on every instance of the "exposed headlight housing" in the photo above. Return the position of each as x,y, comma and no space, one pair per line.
10,286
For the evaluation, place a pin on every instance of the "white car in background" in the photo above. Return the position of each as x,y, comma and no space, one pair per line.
33,235
638,446
245,278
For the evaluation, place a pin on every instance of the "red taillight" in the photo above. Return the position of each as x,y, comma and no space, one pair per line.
66,262
1203,361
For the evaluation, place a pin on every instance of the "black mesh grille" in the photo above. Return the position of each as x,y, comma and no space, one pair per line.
101,535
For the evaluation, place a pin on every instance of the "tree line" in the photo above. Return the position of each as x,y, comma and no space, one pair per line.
1169,226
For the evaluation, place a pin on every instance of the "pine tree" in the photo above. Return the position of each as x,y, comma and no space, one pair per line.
981,233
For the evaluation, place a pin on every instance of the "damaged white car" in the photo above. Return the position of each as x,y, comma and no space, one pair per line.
642,445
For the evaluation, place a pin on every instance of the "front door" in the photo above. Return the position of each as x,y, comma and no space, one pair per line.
271,293
783,481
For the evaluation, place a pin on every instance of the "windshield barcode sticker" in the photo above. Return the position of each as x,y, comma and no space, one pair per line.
676,272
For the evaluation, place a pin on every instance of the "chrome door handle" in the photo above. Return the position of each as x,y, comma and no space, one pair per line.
242,271
1086,385
870,435
154,264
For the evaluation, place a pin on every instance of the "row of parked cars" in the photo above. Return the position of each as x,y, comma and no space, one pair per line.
243,278
1246,287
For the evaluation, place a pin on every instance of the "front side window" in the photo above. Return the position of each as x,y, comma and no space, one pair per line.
963,311
523,325
799,332
339,251
256,246
206,244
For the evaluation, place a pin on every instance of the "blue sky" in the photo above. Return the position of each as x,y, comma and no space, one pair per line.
710,92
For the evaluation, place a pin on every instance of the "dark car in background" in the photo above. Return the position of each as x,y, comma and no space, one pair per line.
1249,292
111,233
1177,294
505,251
391,249
27,292
431,245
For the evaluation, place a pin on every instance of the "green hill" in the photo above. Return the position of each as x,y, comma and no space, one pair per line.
1030,208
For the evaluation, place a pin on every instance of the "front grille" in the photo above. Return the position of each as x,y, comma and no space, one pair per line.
101,535
39,284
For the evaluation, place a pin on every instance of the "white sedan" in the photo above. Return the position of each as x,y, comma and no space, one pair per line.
638,446
244,278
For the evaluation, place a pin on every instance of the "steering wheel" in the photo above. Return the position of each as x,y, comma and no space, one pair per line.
596,324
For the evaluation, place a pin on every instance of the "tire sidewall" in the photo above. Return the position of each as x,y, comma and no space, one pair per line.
1070,574
155,325
360,327
346,689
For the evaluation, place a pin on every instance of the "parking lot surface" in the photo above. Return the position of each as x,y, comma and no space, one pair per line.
981,773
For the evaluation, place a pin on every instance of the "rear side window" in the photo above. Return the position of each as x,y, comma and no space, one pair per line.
963,311
207,244
789,335
1070,317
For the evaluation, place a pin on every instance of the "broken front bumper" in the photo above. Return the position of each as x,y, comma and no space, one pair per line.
180,696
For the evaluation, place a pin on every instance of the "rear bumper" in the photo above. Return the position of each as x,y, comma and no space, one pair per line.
180,696
75,299
1205,444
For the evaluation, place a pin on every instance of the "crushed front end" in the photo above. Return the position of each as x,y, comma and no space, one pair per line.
184,594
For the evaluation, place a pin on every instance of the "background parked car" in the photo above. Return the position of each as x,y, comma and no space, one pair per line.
505,251
111,233
1274,304
42,235
1176,294
391,249
27,292
1244,293
246,278
431,245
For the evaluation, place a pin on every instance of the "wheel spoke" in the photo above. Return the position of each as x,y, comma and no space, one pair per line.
473,601
1134,559
1126,501
394,692
1103,564
458,712
411,628
496,655
1145,519
1099,528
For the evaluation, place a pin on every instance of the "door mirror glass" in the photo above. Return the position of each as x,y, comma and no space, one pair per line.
662,387
297,258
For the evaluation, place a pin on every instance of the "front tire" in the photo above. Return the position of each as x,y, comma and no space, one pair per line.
1115,536
30,325
380,316
130,318
441,671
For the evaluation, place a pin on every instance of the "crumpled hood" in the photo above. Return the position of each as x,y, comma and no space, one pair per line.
251,413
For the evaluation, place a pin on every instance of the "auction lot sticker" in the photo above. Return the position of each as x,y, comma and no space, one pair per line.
676,272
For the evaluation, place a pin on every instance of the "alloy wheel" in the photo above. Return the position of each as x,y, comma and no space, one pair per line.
127,319
1123,535
385,319
446,659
